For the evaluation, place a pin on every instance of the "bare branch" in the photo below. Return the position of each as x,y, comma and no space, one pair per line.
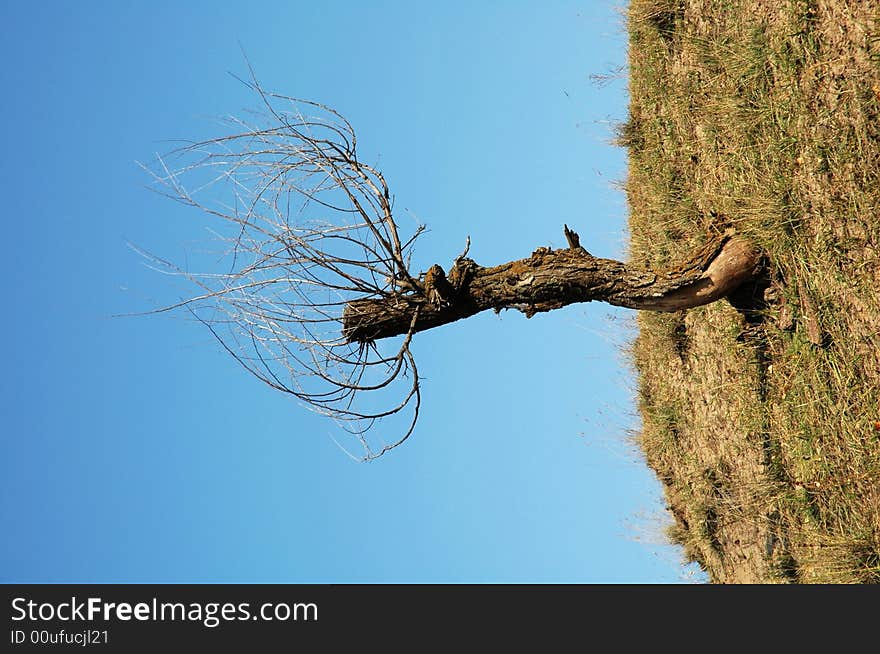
309,228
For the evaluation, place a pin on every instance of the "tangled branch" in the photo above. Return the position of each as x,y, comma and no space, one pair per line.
310,228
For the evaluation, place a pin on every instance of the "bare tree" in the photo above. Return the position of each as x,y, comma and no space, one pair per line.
319,277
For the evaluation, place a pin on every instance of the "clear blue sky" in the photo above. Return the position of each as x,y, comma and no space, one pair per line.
136,450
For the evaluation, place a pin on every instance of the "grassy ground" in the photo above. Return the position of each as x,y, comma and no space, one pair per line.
763,421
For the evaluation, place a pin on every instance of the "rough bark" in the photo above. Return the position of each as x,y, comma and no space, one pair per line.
551,279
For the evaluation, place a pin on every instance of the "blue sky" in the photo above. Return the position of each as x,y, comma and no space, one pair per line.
135,450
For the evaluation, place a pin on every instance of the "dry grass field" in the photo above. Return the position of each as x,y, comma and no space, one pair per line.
761,415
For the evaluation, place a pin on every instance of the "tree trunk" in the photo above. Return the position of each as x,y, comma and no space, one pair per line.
551,279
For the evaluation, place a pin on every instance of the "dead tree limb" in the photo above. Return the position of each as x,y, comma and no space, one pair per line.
551,279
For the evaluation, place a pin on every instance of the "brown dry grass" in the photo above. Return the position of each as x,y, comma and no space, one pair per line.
764,425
